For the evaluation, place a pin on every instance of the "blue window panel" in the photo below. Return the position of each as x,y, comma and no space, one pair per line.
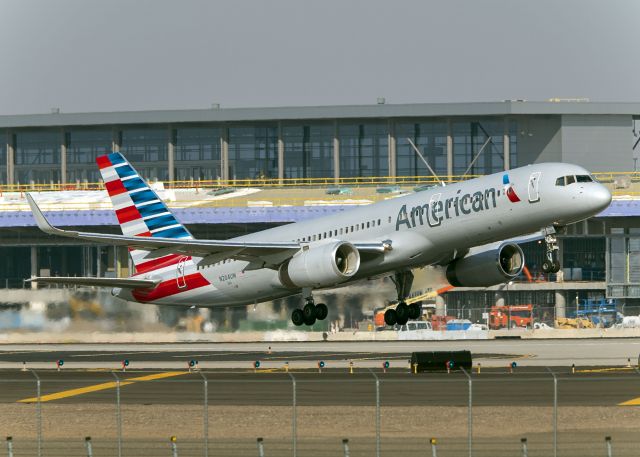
143,196
175,232
134,184
160,221
125,171
153,208
116,158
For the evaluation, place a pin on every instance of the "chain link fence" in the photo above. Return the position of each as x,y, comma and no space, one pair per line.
484,412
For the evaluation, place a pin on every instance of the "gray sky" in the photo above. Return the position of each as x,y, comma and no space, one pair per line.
112,55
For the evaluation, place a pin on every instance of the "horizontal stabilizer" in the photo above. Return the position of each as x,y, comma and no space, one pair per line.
125,283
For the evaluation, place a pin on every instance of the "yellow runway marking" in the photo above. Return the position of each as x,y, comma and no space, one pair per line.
102,386
632,402
605,370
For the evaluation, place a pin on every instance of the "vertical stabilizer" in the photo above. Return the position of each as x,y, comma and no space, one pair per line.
139,210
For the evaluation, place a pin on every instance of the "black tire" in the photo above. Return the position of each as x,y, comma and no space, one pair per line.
402,310
297,317
321,311
547,266
310,321
414,311
390,317
556,266
309,311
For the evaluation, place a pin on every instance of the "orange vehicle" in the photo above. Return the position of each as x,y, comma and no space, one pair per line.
511,316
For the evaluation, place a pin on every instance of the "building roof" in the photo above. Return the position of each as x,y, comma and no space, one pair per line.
380,111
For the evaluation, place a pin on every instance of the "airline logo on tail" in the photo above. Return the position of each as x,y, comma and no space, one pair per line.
508,189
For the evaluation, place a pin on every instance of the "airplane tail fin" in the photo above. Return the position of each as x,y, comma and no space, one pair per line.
139,210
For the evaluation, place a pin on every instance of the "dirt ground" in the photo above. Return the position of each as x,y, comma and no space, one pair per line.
404,430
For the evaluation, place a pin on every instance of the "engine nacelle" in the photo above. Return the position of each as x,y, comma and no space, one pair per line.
486,266
320,266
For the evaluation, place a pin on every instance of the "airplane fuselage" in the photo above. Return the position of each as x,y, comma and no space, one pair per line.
424,228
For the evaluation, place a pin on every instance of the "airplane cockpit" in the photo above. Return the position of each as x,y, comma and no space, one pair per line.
571,179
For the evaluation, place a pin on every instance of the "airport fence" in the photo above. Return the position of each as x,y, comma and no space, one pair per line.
508,411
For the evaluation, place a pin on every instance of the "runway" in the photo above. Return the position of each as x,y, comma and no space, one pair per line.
524,387
366,354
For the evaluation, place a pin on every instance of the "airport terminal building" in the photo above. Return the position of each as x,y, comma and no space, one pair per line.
276,145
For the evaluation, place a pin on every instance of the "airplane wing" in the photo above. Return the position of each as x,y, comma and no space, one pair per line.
271,252
125,283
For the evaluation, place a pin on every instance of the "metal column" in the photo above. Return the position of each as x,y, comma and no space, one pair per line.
280,153
294,419
63,156
391,127
506,146
118,415
224,149
336,152
377,412
469,413
10,157
115,139
171,153
449,149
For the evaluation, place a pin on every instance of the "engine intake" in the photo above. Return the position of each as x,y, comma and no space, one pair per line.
486,266
320,266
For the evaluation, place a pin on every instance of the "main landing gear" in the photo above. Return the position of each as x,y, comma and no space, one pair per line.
402,313
309,313
551,264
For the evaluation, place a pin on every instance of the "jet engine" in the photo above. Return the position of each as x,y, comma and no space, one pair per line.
486,266
320,266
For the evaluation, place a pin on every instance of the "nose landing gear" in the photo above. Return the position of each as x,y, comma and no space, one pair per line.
551,264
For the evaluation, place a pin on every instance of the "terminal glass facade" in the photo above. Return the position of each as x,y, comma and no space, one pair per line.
3,163
37,156
253,152
146,148
431,140
83,146
364,149
478,146
198,153
308,151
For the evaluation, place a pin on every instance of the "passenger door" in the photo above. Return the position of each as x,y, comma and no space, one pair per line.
180,279
534,187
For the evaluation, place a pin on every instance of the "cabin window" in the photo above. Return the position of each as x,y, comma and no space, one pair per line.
378,221
367,225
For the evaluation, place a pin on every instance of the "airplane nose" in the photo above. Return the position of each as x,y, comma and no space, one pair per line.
600,198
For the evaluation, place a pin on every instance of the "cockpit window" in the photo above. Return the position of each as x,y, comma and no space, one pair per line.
560,181
570,180
584,178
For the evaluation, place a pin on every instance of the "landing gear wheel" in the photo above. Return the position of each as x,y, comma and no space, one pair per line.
547,266
390,317
309,311
556,266
310,321
414,311
321,311
402,311
297,317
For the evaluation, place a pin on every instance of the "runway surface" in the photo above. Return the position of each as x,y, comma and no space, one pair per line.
496,387
584,352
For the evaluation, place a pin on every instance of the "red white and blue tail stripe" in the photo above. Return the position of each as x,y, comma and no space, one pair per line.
139,210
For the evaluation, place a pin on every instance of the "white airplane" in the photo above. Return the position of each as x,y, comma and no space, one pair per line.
462,227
